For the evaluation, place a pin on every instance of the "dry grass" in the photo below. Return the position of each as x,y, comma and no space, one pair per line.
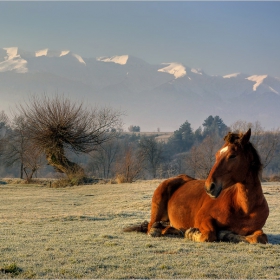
77,233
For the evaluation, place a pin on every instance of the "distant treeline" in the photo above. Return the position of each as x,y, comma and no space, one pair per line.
127,157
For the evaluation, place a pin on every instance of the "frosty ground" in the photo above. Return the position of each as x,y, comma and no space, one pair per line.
77,233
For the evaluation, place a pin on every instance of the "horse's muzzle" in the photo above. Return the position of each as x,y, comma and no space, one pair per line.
213,189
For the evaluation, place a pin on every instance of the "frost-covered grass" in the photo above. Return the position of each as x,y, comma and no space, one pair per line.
77,233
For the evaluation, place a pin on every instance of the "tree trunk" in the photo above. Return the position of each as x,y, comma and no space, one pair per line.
21,170
58,160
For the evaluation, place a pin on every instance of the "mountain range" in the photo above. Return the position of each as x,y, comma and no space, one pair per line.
152,96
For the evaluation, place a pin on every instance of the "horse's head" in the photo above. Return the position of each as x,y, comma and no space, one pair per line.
233,162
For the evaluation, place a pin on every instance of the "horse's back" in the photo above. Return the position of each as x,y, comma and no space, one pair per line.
166,189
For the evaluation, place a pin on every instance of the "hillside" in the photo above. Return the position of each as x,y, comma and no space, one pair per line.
152,96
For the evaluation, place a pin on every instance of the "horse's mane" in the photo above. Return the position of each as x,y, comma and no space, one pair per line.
235,138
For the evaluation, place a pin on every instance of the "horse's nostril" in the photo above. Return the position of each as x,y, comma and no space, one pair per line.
212,187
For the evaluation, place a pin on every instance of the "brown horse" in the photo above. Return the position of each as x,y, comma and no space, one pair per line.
228,206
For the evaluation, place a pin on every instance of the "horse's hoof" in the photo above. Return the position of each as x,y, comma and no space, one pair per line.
155,232
192,233
257,237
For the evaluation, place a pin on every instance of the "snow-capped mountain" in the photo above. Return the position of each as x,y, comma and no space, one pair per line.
152,96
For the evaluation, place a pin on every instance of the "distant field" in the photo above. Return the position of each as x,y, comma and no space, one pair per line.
77,233
160,136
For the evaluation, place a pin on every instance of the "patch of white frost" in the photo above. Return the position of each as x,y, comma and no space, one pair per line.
258,79
13,61
122,59
176,69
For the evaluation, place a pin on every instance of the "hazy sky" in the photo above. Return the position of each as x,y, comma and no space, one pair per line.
219,37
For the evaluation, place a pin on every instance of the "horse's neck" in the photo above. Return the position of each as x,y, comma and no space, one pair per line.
249,193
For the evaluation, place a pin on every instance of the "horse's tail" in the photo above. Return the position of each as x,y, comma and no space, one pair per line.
143,227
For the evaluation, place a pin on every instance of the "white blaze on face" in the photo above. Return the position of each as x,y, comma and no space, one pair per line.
223,150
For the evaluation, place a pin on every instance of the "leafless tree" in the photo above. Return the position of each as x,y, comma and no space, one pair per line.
152,152
265,141
194,160
202,157
15,144
56,125
129,164
174,166
32,161
103,159
3,130
18,149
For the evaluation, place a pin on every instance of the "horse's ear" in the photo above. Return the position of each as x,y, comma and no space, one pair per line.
246,137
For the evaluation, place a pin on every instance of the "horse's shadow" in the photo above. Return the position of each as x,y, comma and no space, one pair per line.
273,239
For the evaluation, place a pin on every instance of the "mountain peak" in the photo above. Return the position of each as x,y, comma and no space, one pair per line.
51,53
12,61
174,68
122,59
258,79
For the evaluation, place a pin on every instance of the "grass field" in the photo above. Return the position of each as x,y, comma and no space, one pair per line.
77,233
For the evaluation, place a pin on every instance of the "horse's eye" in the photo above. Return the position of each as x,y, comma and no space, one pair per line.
232,156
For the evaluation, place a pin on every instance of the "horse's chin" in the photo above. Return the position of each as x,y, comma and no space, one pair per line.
215,193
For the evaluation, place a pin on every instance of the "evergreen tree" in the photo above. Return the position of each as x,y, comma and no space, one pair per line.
214,125
183,138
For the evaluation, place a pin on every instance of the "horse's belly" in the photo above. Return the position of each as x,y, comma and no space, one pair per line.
185,203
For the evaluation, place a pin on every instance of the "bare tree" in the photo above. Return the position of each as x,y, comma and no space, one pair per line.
104,157
152,152
129,164
32,161
15,145
56,125
208,149
18,149
194,160
265,141
202,157
3,130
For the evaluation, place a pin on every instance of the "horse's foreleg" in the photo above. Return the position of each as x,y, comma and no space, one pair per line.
194,234
203,230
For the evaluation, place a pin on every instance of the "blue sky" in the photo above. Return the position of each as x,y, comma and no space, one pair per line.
219,37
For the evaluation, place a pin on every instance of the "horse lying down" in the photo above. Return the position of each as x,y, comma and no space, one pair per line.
228,206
